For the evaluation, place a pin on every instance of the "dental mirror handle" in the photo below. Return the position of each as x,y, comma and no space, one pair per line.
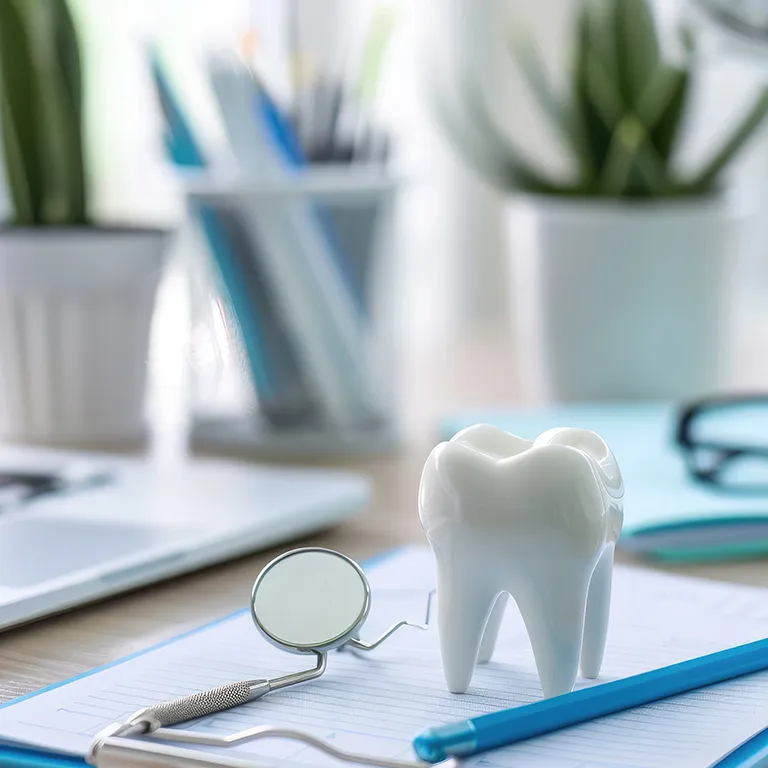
218,699
200,704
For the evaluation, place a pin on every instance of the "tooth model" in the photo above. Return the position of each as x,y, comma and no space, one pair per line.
537,520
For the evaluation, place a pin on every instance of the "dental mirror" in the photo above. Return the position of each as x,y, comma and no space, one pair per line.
310,600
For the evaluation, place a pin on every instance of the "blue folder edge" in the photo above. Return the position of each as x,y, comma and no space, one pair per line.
751,754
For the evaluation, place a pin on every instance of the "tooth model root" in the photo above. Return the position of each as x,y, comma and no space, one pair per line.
471,612
463,611
555,627
488,642
595,622
598,611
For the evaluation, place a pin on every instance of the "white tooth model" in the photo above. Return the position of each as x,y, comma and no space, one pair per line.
537,520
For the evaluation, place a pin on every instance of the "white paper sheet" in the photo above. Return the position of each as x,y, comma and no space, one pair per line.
376,703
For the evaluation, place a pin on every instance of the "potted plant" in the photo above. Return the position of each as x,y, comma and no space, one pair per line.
621,267
76,299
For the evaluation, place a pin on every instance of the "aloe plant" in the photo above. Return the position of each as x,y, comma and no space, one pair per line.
41,108
620,121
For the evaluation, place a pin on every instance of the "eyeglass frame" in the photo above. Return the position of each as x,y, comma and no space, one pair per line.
725,453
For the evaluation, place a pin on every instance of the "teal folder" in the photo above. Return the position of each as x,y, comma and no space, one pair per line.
667,515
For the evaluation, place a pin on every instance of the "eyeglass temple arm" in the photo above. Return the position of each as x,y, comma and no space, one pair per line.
362,645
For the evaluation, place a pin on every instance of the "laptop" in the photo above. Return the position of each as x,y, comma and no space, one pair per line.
76,527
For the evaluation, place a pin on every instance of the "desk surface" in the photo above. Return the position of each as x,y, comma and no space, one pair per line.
58,648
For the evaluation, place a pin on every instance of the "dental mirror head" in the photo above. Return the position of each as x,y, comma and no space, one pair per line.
310,600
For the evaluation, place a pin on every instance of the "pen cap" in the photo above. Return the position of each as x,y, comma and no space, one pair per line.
454,740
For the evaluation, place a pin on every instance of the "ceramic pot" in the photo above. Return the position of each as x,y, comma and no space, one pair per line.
76,308
620,300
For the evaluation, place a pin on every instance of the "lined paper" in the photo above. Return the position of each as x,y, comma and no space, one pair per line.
375,703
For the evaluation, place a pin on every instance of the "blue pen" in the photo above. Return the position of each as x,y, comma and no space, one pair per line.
184,151
292,152
500,729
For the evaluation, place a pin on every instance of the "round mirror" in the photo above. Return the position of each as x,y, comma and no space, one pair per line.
310,599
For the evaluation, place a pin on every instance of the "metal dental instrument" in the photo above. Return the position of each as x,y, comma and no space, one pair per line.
307,601
113,748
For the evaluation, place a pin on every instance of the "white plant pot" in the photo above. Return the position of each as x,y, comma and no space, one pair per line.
76,308
619,300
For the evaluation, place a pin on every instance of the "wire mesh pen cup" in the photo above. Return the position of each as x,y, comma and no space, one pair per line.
264,328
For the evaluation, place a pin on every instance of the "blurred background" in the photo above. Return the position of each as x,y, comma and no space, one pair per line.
431,206
326,235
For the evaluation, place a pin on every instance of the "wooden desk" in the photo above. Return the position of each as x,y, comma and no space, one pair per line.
57,648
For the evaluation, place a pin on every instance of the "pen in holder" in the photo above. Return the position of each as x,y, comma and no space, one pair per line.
294,310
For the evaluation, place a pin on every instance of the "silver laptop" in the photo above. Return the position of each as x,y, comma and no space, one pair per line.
76,527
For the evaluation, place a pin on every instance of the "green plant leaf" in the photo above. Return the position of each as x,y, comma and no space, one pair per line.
647,169
479,142
67,93
621,120
464,138
15,171
629,170
66,45
509,158
736,140
616,171
599,31
662,108
603,94
21,114
52,128
527,58
637,46
588,124
380,31
554,108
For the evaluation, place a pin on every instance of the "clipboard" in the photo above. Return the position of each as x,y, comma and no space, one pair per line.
21,757
752,753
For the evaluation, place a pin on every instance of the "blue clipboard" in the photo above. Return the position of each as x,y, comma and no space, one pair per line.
21,757
751,754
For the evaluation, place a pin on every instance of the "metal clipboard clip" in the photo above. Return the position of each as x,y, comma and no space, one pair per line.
329,598
117,747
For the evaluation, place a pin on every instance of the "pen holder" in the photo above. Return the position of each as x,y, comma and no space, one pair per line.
292,349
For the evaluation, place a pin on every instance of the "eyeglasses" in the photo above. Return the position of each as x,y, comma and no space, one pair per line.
724,441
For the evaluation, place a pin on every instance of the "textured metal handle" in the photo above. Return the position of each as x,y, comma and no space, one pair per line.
218,699
200,704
